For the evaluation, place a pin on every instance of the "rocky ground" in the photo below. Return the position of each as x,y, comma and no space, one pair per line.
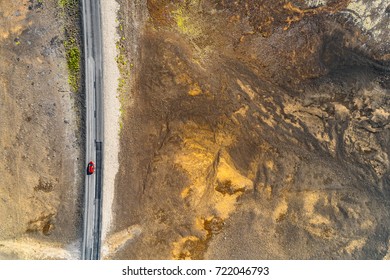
40,135
255,130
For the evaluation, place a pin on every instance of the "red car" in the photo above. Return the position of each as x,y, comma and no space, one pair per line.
91,168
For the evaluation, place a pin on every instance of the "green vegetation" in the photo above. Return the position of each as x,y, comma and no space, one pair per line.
73,61
123,65
124,69
68,3
70,12
185,22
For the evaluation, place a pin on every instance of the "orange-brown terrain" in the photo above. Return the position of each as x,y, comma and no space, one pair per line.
254,130
249,130
40,134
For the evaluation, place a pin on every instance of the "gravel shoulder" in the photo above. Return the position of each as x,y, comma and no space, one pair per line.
111,108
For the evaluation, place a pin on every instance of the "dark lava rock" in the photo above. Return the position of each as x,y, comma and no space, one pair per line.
261,130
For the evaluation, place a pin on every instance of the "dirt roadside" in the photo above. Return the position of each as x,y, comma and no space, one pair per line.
40,135
123,55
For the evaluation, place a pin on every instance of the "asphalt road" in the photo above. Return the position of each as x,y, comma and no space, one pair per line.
92,36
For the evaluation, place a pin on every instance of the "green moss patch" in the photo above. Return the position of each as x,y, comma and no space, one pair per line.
70,12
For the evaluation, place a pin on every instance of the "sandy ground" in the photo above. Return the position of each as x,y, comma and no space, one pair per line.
40,135
25,248
111,108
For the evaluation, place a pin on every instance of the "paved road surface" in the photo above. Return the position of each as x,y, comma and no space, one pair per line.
94,127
